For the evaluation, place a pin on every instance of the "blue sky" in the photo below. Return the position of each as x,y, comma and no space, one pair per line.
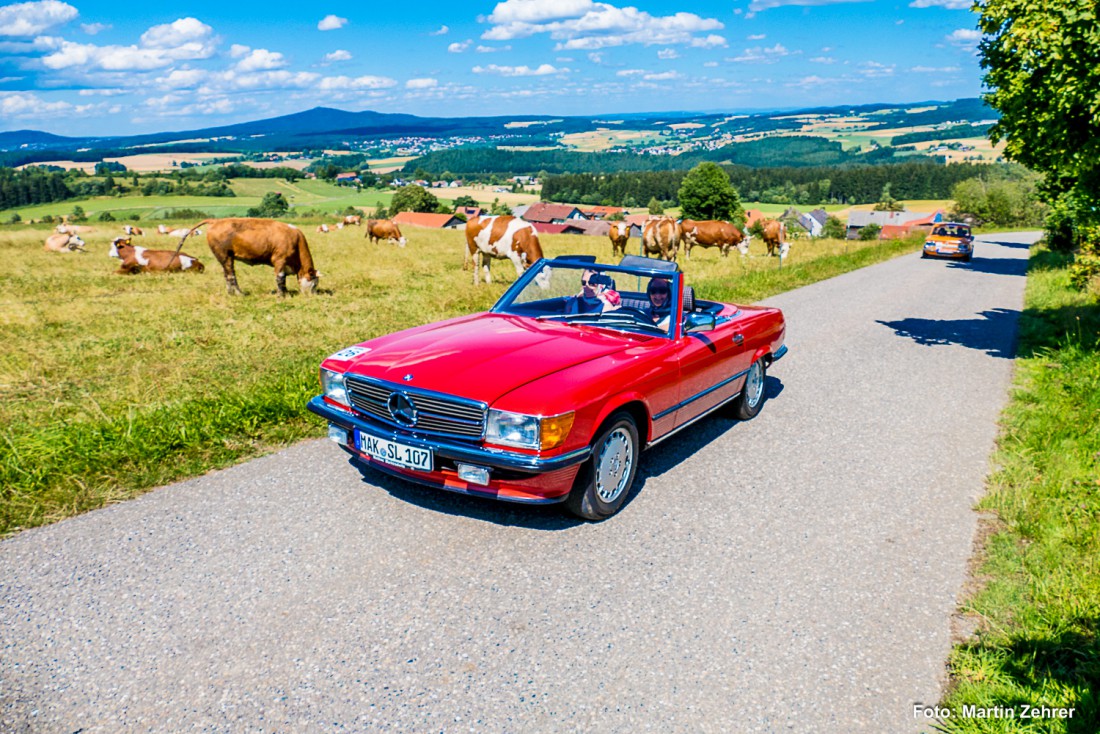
76,67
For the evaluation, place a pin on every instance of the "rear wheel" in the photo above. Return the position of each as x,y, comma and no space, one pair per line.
604,482
751,398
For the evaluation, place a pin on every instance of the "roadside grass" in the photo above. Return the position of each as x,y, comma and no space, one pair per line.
1038,608
114,384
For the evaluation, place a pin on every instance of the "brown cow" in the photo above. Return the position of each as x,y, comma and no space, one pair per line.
384,229
63,243
712,233
355,219
261,242
661,236
775,235
619,234
140,260
501,237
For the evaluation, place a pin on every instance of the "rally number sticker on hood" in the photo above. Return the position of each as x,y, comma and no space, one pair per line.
349,353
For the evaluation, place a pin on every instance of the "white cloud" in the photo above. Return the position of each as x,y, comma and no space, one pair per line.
757,5
492,49
102,92
30,19
338,55
94,28
934,70
331,23
630,72
710,64
590,26
279,79
426,83
711,41
663,76
179,33
948,4
443,30
175,105
237,50
875,70
357,83
762,55
182,78
758,37
457,48
822,60
541,70
965,39
261,59
668,53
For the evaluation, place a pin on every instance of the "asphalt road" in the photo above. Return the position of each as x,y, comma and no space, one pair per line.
797,572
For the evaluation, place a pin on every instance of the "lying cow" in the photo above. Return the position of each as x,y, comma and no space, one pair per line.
712,233
183,232
323,229
131,230
140,260
661,237
72,229
63,243
775,235
501,237
384,229
620,235
261,242
161,229
355,219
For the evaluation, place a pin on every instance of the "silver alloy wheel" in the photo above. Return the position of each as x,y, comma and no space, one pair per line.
614,465
754,384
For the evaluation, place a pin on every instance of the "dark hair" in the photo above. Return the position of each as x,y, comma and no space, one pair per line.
658,284
600,279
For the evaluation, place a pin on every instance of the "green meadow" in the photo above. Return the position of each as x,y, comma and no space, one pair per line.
114,384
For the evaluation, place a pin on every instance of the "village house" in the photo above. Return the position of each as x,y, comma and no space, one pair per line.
548,213
428,220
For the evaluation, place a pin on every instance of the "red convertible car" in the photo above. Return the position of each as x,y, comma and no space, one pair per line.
552,394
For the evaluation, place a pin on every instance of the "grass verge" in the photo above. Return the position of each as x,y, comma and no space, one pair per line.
1038,609
114,384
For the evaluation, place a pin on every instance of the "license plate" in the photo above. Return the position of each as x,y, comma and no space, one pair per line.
393,453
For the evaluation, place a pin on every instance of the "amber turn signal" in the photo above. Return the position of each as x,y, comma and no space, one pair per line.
554,430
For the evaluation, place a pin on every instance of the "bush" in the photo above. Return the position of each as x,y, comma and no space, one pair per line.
185,214
835,228
78,215
106,217
870,232
15,218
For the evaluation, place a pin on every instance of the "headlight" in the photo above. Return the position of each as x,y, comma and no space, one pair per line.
527,431
332,384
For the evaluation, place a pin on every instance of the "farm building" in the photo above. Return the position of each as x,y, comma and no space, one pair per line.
899,223
469,211
546,213
603,212
428,220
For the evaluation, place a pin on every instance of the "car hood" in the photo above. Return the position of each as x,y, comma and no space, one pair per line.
485,357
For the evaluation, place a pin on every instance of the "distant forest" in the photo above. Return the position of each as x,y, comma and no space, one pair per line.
803,186
33,186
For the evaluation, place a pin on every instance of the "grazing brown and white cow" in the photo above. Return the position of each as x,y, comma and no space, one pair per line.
141,260
619,234
355,219
712,233
501,237
63,243
661,236
132,230
384,229
775,235
261,242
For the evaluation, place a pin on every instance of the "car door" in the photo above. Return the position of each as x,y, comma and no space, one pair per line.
712,368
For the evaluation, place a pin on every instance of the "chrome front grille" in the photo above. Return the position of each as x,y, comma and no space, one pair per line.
435,412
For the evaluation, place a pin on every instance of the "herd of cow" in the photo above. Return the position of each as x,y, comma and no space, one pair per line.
284,246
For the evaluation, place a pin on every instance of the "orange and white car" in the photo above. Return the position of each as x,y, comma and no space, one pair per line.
950,239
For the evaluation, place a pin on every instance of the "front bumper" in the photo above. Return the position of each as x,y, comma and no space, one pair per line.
940,249
514,477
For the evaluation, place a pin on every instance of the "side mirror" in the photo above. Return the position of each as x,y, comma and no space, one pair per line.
696,322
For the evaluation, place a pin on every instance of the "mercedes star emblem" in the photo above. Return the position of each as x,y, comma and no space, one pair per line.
402,409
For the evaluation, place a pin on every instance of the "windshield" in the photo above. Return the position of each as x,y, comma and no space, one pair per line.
592,294
951,230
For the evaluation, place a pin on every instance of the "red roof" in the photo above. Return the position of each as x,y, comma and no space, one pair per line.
547,228
636,219
752,216
421,219
542,211
603,211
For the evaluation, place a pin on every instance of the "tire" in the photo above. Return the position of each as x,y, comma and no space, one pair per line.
749,402
604,481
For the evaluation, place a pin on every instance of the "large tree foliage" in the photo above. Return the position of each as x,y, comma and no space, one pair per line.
413,198
708,194
1043,67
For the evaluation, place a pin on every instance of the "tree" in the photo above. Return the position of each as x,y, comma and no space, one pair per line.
274,204
888,203
707,193
834,228
465,200
655,206
1041,65
870,231
106,217
78,215
413,198
497,208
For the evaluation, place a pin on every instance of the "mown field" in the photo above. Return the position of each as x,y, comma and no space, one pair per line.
1037,611
113,384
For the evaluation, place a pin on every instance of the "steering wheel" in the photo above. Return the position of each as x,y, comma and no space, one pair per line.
630,310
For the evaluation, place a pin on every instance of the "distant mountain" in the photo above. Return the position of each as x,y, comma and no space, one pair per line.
326,127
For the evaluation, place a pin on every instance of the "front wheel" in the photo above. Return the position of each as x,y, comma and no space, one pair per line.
748,403
604,482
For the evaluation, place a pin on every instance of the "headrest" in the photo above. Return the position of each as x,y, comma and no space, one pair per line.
689,299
